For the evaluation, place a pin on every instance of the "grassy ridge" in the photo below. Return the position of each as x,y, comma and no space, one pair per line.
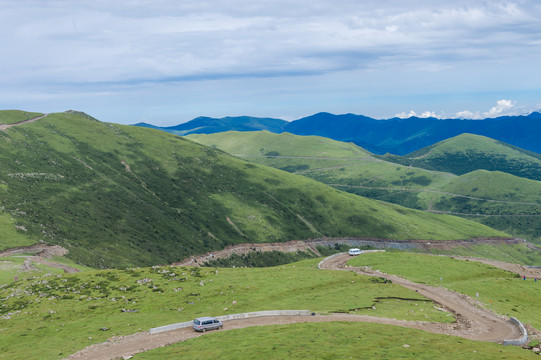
467,152
333,341
518,200
105,191
15,116
60,314
504,292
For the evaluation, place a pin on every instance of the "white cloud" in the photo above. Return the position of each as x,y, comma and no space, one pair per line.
424,114
503,107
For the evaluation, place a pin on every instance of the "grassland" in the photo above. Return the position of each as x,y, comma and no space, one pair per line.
10,235
503,201
15,116
504,292
60,314
104,191
467,152
333,341
516,254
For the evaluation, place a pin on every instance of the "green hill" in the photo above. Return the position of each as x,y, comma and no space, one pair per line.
119,196
467,152
15,116
507,202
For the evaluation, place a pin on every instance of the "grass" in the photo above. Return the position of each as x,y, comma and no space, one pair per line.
332,341
506,293
500,200
10,235
104,191
517,254
10,267
15,116
468,152
60,314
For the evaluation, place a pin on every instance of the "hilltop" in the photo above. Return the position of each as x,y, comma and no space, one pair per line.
467,152
120,196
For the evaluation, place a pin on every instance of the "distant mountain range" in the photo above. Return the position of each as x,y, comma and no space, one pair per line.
396,136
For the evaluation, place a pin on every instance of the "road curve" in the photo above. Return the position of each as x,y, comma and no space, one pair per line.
472,322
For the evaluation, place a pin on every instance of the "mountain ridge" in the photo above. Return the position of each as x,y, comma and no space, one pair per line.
397,136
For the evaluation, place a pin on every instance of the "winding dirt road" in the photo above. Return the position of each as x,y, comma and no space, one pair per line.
472,322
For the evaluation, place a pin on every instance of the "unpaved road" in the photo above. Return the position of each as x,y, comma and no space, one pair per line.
472,322
42,255
4,127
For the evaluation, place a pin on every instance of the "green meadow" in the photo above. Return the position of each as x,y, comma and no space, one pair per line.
340,340
501,200
504,292
60,314
15,116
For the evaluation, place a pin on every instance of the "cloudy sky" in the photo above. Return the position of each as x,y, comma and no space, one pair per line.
168,61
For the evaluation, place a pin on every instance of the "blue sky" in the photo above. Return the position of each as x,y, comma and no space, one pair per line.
166,62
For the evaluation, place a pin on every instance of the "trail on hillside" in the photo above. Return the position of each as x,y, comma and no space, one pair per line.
41,254
4,127
472,323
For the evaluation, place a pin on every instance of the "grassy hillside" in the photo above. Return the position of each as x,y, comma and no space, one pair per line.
500,200
15,116
467,152
119,196
61,314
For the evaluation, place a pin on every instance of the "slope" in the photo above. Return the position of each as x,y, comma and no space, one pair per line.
123,196
498,199
468,152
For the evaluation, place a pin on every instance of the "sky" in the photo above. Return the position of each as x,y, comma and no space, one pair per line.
166,62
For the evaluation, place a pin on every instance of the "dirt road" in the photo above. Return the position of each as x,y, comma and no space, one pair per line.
4,127
472,322
42,255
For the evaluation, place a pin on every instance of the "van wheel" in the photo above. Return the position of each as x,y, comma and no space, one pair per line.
204,330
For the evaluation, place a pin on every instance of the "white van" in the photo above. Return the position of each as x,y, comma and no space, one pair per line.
355,251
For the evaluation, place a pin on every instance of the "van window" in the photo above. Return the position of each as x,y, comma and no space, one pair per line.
196,322
207,322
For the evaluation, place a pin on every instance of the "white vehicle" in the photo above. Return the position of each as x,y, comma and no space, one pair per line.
355,252
206,323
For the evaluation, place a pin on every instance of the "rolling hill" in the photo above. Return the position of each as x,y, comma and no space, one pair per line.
467,152
495,198
120,196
